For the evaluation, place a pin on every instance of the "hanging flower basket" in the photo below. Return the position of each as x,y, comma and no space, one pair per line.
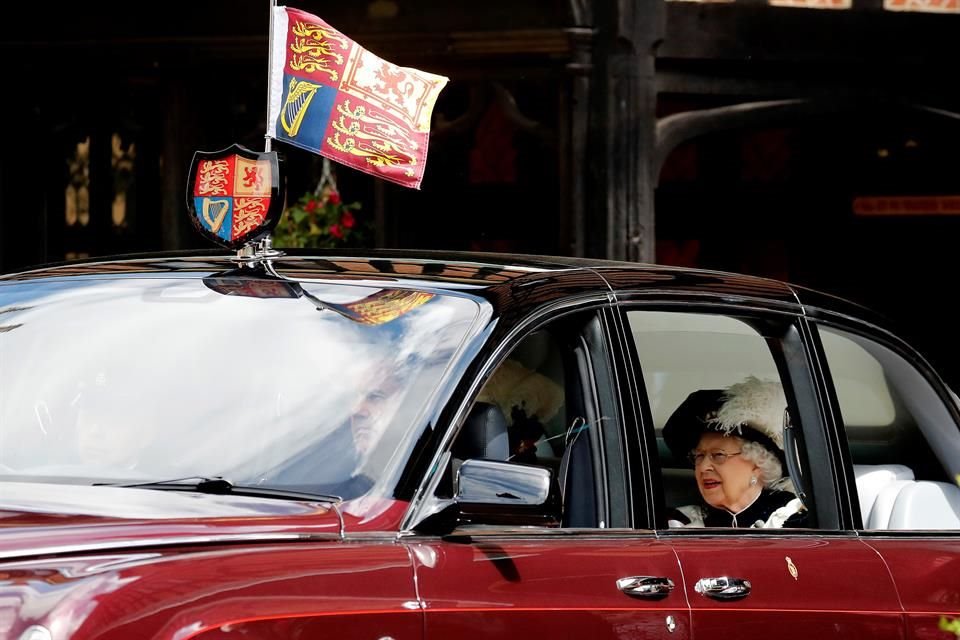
320,219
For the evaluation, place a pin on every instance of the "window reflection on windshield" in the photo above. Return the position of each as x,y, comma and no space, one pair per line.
153,379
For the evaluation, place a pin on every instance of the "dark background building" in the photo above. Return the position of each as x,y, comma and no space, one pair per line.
809,140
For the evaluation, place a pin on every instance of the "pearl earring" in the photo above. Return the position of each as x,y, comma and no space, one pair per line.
753,480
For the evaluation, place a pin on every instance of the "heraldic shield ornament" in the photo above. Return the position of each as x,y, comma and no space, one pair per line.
235,196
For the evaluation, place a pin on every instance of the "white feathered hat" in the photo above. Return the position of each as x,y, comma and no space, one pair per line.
754,404
752,410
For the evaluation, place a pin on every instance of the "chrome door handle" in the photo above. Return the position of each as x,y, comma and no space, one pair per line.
645,586
722,588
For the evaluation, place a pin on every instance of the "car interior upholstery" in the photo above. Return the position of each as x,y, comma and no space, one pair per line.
926,505
877,486
891,498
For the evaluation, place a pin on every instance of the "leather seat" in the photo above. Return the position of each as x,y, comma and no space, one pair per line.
926,505
872,479
879,517
484,434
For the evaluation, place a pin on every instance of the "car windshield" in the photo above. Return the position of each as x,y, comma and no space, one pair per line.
307,387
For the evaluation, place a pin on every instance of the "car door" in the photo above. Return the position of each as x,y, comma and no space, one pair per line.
900,428
818,581
594,576
511,585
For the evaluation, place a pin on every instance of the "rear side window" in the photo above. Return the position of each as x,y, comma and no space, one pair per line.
718,403
903,441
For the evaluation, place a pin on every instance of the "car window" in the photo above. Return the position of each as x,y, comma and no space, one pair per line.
718,402
902,438
554,415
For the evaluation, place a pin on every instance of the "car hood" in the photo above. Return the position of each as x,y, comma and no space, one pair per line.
37,519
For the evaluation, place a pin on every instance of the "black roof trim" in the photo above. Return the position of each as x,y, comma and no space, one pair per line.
451,269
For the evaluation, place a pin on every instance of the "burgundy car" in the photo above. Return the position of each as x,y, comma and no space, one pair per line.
417,446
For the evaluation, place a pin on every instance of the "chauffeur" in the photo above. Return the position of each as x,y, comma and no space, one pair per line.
734,439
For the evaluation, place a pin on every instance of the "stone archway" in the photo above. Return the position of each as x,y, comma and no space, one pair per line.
675,129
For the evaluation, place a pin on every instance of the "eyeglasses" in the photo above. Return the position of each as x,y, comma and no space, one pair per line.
716,457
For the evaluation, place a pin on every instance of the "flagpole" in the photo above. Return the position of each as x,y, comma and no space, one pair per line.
266,137
264,246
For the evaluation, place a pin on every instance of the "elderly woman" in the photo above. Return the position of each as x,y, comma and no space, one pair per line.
734,439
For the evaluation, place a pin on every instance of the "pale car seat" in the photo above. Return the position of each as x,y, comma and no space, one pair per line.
872,478
879,517
927,505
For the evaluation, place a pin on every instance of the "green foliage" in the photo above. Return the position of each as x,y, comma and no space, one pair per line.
951,625
320,221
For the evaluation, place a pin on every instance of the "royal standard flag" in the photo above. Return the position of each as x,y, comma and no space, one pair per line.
331,96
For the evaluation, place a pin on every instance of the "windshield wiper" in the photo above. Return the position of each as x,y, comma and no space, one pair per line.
221,486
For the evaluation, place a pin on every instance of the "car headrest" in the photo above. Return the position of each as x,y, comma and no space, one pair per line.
927,505
484,434
874,478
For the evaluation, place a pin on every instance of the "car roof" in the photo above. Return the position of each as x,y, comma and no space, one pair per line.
457,270
443,266
467,268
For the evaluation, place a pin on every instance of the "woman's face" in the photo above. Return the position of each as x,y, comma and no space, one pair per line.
725,486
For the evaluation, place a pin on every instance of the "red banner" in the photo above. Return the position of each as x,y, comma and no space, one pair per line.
906,205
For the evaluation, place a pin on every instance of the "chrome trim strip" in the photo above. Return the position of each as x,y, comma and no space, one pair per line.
708,299
336,509
533,533
168,541
907,534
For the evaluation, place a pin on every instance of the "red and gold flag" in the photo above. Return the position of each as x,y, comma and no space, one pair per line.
331,96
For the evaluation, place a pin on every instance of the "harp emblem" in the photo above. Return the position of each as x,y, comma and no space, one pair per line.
298,101
214,211
234,196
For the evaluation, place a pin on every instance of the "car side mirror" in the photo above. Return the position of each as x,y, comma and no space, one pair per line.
506,493
491,482
497,493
